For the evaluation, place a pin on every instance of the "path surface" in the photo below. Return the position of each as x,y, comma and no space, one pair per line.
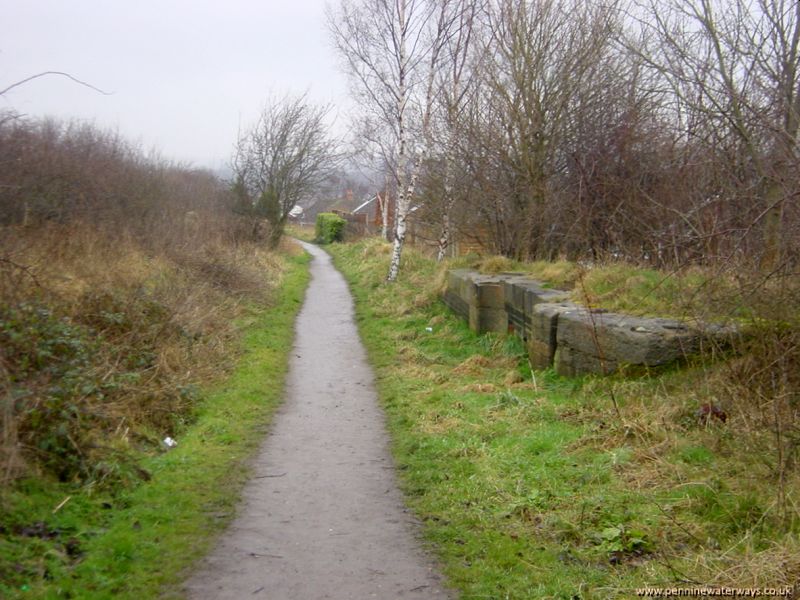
323,517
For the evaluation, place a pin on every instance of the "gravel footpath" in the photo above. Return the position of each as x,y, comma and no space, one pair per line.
322,517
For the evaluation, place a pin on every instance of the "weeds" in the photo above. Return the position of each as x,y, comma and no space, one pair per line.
109,351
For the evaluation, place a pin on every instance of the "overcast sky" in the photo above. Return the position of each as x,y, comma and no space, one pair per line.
183,73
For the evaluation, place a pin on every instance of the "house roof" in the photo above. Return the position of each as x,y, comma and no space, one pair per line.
365,204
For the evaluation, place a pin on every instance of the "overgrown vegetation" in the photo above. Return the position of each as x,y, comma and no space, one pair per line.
531,485
666,132
697,293
122,280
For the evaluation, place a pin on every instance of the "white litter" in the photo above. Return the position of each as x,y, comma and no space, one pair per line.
169,442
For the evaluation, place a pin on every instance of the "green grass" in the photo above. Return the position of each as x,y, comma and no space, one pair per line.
531,486
694,292
140,542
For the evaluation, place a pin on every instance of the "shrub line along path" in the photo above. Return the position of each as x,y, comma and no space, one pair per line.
323,516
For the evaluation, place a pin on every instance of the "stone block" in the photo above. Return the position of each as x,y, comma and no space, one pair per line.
615,339
514,290
569,362
515,304
539,353
719,336
570,337
459,282
487,292
542,332
456,303
535,294
483,320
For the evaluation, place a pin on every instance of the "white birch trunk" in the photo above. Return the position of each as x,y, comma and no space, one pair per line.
383,207
385,216
444,238
446,235
403,201
406,192
399,240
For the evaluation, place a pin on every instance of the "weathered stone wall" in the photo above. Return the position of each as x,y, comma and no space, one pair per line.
455,296
480,299
562,334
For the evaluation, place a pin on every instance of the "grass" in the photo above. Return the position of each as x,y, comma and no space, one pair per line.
61,540
699,293
306,233
105,340
532,486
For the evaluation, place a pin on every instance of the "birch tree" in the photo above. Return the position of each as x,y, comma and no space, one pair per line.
392,50
455,87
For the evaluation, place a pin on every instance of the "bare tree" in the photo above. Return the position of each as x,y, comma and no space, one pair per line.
455,87
392,49
528,123
535,57
283,159
733,68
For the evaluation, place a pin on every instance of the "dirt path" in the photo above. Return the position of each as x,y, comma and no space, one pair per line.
323,517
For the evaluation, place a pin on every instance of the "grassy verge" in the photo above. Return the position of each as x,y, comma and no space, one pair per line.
80,542
534,486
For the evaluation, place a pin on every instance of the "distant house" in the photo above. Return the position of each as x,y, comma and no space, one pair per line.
423,228
374,219
297,213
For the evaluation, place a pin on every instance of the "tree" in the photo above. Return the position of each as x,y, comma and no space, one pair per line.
733,67
282,160
392,50
455,88
535,58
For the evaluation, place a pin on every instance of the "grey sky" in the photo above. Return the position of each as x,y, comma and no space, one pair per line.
184,73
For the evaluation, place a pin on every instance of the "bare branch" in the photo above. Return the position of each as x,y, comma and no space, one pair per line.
58,73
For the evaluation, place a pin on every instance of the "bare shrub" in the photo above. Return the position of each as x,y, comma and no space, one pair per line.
120,277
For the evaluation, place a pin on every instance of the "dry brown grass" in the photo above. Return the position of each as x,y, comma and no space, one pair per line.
120,279
474,365
496,264
778,565
156,321
478,365
481,388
